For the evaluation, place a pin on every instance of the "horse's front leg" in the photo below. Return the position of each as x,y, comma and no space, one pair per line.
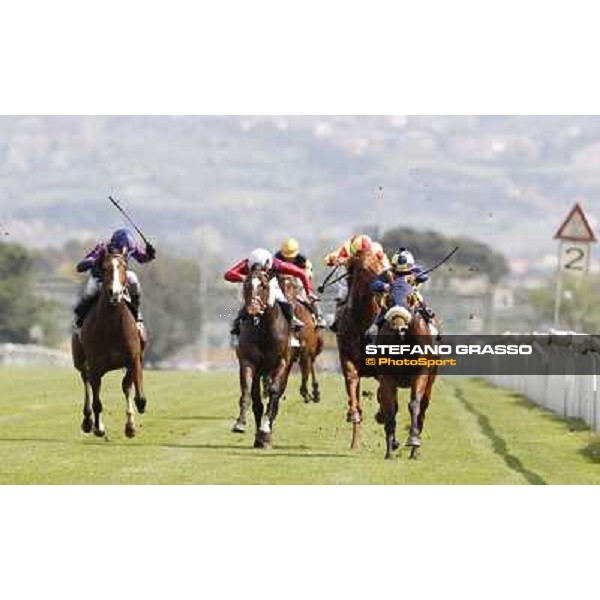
87,424
276,389
137,373
417,392
304,370
316,393
247,375
126,386
388,395
354,415
95,383
258,410
426,399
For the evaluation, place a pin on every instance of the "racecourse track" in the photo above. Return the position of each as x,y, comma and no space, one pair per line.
475,434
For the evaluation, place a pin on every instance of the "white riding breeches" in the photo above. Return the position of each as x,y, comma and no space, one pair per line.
275,292
341,290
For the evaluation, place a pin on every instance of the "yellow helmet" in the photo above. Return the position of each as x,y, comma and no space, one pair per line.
290,248
360,243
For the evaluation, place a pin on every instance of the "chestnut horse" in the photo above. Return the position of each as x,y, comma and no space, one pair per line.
354,319
263,353
110,340
420,380
309,337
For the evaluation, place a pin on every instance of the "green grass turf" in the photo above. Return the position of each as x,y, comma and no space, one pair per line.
475,434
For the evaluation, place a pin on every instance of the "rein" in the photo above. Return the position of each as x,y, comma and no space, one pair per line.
327,283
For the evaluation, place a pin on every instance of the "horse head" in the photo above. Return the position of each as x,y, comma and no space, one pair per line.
114,277
290,286
363,268
256,291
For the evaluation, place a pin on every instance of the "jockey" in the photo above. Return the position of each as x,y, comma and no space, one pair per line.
273,266
122,241
407,277
342,257
348,250
290,253
380,254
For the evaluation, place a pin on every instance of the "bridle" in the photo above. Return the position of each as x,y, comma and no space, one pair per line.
116,288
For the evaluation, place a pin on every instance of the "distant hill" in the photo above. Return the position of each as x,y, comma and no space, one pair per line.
230,183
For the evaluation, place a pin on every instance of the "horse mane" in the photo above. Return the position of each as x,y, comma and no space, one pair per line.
362,270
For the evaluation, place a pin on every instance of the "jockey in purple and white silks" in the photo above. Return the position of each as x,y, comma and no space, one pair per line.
122,241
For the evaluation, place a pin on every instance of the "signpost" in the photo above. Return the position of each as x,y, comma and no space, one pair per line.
575,238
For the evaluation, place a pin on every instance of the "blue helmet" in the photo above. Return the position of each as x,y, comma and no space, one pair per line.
122,240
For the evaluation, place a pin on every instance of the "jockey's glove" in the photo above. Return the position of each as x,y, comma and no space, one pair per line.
150,251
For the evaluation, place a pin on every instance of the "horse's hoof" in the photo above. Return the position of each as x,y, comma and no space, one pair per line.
306,399
413,441
87,426
99,432
353,416
379,418
265,426
130,430
239,427
316,398
395,445
415,453
140,404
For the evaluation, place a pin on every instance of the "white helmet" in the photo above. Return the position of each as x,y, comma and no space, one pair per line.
260,257
403,260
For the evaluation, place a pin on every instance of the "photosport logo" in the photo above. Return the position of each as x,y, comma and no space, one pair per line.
483,355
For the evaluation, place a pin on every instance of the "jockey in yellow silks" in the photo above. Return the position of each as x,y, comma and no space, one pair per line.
290,253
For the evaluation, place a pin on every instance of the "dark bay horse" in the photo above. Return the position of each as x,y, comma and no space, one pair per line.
354,319
110,340
309,337
263,354
419,379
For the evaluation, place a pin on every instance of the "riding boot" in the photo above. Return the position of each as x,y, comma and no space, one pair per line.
288,313
320,321
334,326
135,308
82,309
237,322
136,311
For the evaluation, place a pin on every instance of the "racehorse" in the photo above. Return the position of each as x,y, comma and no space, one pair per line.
263,354
110,340
354,319
310,339
419,379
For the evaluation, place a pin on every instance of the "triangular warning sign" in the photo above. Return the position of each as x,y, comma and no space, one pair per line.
575,227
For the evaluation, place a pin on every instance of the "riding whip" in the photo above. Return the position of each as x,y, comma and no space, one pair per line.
128,218
322,287
445,259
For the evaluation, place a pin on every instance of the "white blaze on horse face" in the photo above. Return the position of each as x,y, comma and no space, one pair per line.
117,287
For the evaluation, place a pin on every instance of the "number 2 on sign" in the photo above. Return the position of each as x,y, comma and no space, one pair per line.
574,258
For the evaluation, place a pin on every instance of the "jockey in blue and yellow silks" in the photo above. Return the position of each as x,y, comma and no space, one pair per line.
407,277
